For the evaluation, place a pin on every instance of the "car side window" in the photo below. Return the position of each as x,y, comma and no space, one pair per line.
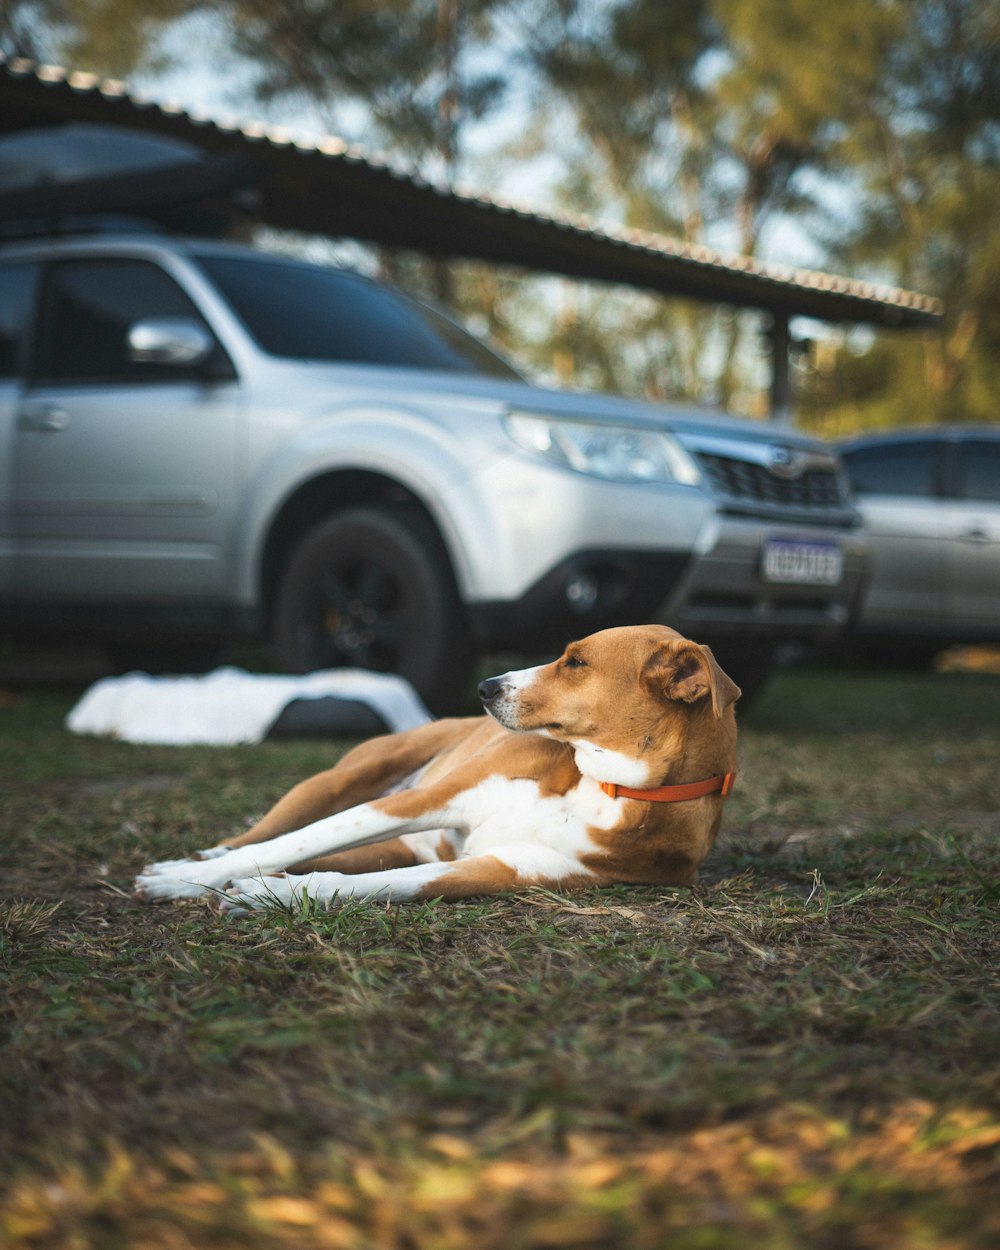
899,469
978,470
87,307
17,288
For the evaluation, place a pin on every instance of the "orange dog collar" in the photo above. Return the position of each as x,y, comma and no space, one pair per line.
674,794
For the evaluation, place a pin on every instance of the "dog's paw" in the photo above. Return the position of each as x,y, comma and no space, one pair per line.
180,878
160,888
256,892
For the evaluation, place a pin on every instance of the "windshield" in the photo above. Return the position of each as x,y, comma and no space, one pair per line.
311,313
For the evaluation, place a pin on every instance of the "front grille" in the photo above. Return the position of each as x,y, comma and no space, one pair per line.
755,483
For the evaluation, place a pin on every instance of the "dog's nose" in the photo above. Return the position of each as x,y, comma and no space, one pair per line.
490,689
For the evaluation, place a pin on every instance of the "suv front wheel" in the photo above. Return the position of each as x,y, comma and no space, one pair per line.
371,588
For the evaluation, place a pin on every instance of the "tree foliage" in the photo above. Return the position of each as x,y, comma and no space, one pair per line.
871,124
409,62
115,38
870,128
921,150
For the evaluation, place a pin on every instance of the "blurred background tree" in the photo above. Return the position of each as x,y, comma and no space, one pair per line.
863,136
920,154
114,39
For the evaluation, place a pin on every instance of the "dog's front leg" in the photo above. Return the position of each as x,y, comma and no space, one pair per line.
397,885
372,769
406,812
517,866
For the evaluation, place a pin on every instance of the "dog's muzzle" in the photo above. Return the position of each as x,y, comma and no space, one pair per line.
504,696
499,697
491,690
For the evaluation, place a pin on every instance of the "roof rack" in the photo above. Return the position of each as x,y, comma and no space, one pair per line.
76,224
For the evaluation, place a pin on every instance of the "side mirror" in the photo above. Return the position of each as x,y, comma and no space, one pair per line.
180,341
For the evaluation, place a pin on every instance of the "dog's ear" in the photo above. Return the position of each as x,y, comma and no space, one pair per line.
688,671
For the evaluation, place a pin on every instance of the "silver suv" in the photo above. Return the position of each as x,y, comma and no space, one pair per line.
203,442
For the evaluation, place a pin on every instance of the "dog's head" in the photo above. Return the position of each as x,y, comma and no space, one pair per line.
616,695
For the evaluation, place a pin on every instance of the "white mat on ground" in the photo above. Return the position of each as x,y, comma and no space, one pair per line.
229,706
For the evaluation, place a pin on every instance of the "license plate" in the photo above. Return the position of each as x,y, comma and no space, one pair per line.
802,563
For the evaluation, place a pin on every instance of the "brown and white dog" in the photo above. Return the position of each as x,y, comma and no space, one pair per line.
609,765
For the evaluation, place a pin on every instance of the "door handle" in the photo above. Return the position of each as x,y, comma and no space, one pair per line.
975,535
44,418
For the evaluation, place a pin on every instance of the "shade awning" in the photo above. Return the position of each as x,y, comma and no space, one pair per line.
328,188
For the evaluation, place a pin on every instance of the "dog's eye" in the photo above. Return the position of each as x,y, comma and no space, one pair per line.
574,661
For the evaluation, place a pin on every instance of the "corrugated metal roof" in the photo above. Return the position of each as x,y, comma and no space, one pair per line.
329,187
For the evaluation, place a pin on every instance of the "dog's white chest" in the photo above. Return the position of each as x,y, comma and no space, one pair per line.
501,811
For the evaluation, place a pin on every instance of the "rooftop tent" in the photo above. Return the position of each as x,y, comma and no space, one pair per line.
53,155
55,176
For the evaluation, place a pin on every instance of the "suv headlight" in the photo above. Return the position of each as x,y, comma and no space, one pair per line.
618,453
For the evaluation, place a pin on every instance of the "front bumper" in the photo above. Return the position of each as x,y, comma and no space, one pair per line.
715,591
589,590
725,592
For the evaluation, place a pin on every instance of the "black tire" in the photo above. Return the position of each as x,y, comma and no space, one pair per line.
372,588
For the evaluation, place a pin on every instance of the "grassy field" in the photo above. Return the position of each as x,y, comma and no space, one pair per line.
800,1052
